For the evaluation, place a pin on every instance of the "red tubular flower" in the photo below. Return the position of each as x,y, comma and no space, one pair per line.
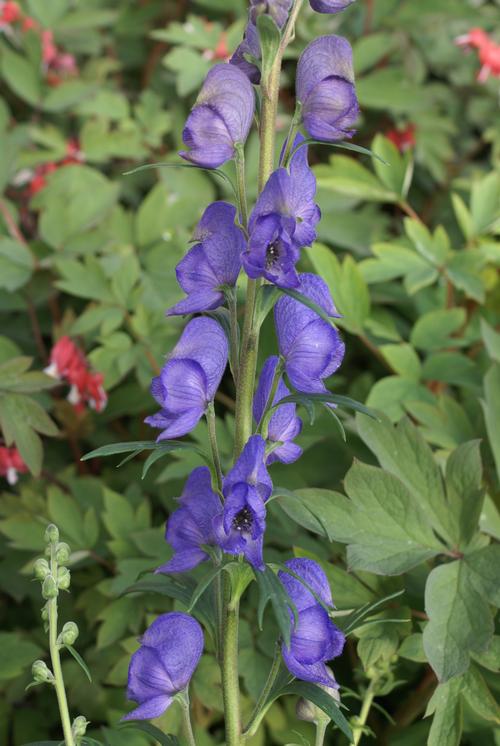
68,363
403,139
475,38
489,57
11,464
10,12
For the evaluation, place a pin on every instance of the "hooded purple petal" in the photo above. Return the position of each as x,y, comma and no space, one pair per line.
313,575
170,651
249,46
250,469
284,425
325,88
271,252
221,117
240,529
212,263
316,673
191,526
312,348
189,378
330,6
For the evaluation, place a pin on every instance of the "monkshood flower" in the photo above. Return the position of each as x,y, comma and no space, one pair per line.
212,262
325,88
284,424
191,526
221,117
310,346
240,528
315,638
190,378
278,10
283,220
329,6
162,667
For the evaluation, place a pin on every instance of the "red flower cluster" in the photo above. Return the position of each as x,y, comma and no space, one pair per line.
68,363
11,464
58,64
403,139
488,52
37,179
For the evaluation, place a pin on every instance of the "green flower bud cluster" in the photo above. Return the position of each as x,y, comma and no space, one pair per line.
79,727
42,673
68,634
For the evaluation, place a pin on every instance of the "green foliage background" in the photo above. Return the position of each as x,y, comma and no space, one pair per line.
411,253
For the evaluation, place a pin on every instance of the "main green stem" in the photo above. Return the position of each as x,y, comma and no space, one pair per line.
230,681
56,660
260,710
363,715
248,365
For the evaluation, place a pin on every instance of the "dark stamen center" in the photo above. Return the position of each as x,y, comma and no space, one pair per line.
242,521
272,254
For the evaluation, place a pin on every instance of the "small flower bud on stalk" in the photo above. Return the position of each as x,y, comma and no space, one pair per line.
68,634
310,712
51,534
63,553
41,569
49,588
63,578
79,726
45,613
41,672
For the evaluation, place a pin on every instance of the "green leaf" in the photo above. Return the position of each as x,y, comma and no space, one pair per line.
392,533
78,658
323,700
327,398
404,360
22,76
324,512
271,590
16,264
162,738
485,201
307,302
143,445
164,585
463,216
484,570
464,490
270,39
446,705
460,620
478,696
392,393
403,452
204,583
346,284
395,170
344,175
491,410
491,340
434,329
16,654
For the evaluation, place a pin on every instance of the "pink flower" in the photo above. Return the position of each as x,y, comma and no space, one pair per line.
10,12
11,464
68,363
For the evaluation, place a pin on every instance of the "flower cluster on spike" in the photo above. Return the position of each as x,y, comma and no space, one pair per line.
11,464
488,52
224,511
68,363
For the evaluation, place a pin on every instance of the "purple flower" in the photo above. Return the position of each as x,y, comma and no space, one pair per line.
212,262
162,667
191,526
240,529
249,46
282,222
278,10
329,6
221,117
325,88
189,378
315,638
310,346
284,424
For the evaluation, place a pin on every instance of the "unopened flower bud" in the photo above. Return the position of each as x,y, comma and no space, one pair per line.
45,613
68,634
63,553
49,587
41,569
63,578
41,672
79,726
310,712
51,534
